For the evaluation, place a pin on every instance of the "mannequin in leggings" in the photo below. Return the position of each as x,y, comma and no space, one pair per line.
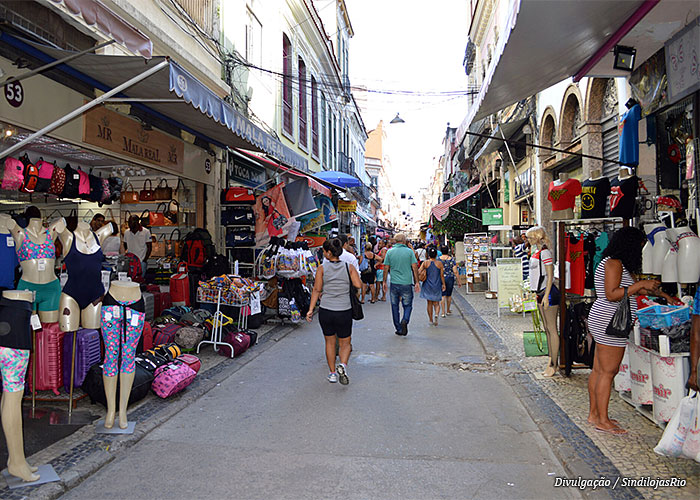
15,345
122,324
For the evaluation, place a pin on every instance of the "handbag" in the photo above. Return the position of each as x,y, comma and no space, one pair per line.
163,192
147,194
172,247
357,313
158,246
129,195
182,195
422,274
58,181
71,189
13,175
170,215
146,218
45,175
620,325
157,218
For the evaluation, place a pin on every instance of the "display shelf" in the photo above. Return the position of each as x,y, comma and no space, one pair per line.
240,225
603,220
645,410
150,202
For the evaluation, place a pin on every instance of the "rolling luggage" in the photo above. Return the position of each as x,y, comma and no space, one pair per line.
166,302
95,389
49,359
146,340
180,286
87,353
191,360
240,342
165,334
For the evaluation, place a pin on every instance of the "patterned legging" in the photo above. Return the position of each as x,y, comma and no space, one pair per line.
121,327
13,365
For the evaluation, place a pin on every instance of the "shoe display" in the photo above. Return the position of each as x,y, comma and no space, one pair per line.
332,378
342,373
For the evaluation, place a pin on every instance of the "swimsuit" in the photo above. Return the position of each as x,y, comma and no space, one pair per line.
30,250
122,324
84,283
46,295
15,342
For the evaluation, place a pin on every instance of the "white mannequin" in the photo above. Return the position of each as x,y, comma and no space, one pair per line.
567,214
11,410
538,238
624,173
688,255
123,291
669,271
653,255
72,317
596,173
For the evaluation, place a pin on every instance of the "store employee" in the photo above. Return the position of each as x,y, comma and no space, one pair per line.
137,240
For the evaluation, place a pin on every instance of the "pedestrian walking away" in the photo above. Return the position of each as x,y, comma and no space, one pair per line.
381,280
368,273
451,271
401,266
432,270
622,259
333,280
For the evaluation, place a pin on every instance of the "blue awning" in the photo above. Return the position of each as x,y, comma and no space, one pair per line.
166,95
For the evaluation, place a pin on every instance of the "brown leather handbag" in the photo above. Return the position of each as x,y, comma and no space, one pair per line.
147,194
172,246
158,246
163,192
129,195
157,218
171,215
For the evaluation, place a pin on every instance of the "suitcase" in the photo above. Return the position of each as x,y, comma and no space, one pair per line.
180,286
166,302
240,342
87,353
149,306
165,334
95,389
157,300
172,378
49,359
146,340
191,360
253,337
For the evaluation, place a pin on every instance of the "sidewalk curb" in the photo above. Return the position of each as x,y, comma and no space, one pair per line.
73,466
577,453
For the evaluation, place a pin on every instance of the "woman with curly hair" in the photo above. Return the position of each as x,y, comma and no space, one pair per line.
622,260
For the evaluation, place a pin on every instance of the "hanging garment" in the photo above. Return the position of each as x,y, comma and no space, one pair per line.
594,198
579,345
8,261
623,195
601,243
629,135
574,257
589,252
563,196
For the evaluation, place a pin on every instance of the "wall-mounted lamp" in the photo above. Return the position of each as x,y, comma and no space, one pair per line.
397,119
624,57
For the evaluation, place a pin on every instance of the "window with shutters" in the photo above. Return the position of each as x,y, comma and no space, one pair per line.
314,117
324,129
303,139
287,106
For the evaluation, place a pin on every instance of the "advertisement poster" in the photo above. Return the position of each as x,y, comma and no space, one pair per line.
324,214
271,215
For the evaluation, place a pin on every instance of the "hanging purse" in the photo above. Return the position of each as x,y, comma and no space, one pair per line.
163,192
146,218
158,246
357,313
172,246
58,181
115,189
125,222
71,189
45,174
157,218
147,194
129,195
170,215
620,325
96,188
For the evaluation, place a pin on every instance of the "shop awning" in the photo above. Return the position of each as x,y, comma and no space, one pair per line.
95,13
508,130
171,93
441,210
543,43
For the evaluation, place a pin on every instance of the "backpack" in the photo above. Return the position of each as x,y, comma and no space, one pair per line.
31,177
197,248
364,265
134,269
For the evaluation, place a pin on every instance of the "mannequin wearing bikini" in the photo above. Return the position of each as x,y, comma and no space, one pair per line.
542,259
14,366
37,257
655,249
82,295
120,292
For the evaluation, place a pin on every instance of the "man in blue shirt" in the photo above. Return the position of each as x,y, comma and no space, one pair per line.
401,265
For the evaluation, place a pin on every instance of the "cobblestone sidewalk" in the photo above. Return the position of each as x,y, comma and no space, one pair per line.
632,455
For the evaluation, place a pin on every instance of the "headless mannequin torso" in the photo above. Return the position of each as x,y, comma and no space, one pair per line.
688,264
567,214
653,254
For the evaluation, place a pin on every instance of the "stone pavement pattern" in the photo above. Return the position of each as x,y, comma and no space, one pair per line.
632,454
416,421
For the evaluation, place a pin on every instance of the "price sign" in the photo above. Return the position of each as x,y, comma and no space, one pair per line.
14,94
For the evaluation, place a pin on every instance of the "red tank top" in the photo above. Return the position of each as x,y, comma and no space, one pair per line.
574,256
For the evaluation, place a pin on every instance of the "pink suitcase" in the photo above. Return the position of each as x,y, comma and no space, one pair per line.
172,378
49,359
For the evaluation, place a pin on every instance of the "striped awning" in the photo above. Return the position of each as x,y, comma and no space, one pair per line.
440,211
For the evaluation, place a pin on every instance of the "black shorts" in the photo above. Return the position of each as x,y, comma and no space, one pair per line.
368,278
335,322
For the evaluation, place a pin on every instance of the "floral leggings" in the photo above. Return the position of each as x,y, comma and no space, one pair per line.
121,327
13,365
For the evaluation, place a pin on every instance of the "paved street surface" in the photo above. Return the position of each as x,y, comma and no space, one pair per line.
426,416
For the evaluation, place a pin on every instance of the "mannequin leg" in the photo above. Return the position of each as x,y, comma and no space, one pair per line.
549,318
126,381
111,394
11,409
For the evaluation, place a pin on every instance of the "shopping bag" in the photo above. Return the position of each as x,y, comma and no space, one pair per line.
673,439
691,446
535,343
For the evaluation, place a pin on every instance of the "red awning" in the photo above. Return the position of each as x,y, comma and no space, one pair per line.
441,210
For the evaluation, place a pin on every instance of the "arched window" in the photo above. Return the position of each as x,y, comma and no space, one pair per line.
302,105
287,105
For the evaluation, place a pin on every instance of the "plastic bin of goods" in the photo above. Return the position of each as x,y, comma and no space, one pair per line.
663,316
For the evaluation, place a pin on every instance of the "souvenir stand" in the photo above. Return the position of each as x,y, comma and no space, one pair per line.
476,258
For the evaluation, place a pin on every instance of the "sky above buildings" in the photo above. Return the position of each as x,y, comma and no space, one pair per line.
414,51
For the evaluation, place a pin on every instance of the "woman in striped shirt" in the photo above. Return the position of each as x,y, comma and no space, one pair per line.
622,259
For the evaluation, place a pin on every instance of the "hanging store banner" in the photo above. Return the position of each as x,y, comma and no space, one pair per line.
271,215
491,216
245,173
324,214
682,62
347,206
120,134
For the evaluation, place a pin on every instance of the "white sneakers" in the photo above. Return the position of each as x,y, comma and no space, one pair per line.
333,378
342,373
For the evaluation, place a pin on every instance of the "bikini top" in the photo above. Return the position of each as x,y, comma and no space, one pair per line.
30,250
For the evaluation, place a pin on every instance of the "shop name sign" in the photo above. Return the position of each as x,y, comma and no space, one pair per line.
245,129
247,175
347,206
120,134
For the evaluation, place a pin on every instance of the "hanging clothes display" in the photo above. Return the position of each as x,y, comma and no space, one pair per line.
563,196
594,198
580,346
601,243
577,269
8,261
589,252
629,136
623,197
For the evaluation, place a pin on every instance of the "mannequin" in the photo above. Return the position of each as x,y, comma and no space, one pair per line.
84,257
542,270
688,263
122,318
562,195
37,257
655,249
669,271
15,346
623,194
594,195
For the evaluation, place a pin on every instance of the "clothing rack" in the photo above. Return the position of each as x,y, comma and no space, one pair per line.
562,226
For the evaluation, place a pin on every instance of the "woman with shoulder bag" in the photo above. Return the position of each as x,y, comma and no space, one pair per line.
333,279
614,282
432,274
368,273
